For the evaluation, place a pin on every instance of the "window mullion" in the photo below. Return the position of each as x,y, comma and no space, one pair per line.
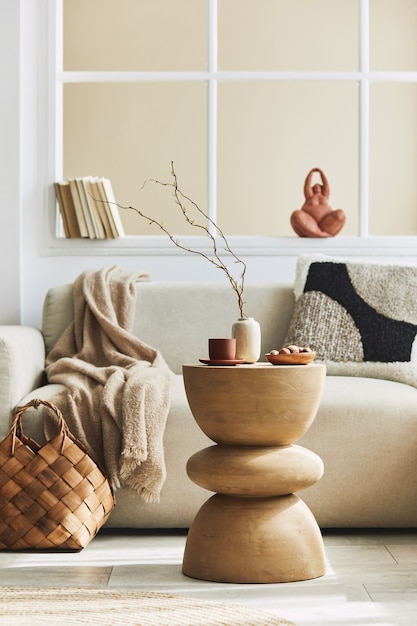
58,92
364,119
212,113
55,107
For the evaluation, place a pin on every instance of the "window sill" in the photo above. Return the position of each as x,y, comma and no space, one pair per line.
242,246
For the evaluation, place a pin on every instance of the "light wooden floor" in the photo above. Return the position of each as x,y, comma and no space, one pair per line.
371,577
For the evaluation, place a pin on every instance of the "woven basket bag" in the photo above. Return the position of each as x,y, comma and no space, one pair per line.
52,496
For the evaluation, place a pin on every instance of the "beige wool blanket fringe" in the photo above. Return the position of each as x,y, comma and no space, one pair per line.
118,389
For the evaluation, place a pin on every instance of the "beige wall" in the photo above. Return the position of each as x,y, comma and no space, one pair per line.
33,260
270,132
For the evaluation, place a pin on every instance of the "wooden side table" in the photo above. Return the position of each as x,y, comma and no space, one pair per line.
254,529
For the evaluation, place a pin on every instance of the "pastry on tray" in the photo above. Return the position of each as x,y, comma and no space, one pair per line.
291,355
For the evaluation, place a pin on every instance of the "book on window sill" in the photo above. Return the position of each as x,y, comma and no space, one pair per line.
111,207
100,201
88,208
62,209
88,216
95,208
67,209
78,208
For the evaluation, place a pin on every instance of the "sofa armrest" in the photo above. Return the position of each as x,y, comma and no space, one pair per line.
22,364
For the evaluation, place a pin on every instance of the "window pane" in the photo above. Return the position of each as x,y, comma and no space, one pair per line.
270,136
393,159
393,34
132,132
288,35
135,35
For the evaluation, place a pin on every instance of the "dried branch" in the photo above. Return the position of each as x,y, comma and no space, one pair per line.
216,260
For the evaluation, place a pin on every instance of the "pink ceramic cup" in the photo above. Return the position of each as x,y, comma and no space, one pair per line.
222,349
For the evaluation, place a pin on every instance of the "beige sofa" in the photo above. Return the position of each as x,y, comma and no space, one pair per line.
365,430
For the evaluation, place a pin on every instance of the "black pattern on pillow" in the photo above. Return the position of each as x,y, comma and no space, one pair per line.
360,318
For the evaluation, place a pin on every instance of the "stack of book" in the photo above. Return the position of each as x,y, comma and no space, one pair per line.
88,208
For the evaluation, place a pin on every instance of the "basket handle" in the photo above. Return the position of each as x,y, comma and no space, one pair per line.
16,426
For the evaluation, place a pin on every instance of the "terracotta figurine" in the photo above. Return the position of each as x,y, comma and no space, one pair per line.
317,218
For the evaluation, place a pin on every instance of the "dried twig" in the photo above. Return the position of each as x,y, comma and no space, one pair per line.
215,259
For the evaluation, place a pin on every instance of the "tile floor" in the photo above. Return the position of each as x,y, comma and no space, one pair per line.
371,577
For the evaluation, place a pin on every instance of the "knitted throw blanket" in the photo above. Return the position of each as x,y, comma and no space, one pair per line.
118,389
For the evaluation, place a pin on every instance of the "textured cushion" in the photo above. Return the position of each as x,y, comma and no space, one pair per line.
360,318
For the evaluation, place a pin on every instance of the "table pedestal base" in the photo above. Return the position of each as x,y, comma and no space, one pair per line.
254,540
254,529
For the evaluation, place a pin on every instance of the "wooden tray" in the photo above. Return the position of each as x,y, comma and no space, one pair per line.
297,358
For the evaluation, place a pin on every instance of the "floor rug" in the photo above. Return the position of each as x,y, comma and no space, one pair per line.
121,607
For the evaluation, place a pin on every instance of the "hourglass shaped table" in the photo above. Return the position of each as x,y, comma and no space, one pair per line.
254,529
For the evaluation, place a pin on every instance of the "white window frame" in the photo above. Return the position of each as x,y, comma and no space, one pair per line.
54,78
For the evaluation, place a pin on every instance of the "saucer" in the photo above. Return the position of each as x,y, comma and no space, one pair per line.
220,362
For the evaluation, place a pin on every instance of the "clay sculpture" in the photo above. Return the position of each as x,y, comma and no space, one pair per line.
317,218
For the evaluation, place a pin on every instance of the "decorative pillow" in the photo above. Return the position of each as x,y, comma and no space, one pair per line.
360,318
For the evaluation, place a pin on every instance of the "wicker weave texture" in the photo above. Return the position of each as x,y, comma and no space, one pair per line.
52,496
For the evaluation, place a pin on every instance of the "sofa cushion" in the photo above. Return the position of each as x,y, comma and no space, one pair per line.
178,318
22,359
360,318
365,432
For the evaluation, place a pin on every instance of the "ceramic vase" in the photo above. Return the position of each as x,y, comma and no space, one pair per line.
247,332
